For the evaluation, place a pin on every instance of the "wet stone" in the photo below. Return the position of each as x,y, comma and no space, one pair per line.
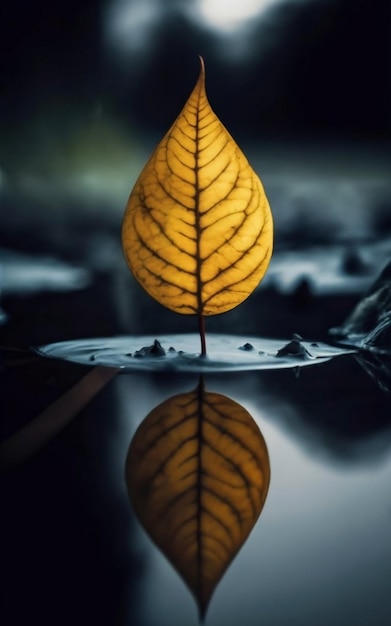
247,347
294,348
155,350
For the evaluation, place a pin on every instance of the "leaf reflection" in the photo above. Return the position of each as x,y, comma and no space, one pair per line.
198,473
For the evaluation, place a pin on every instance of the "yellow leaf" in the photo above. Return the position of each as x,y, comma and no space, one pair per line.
198,473
197,232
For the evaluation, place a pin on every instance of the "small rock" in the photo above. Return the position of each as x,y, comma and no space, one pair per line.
155,350
247,347
294,348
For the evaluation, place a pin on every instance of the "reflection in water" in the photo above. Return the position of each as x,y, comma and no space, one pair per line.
377,363
35,434
323,544
198,474
368,328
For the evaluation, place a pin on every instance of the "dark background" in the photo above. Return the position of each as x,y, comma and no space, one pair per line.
305,89
313,69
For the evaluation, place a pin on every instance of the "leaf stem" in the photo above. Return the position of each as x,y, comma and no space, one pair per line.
201,327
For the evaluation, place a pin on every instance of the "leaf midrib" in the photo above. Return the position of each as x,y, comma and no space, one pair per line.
200,395
200,304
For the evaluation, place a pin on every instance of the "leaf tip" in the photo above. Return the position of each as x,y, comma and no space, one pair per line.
202,64
202,608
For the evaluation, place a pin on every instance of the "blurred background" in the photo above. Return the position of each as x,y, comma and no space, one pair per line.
87,90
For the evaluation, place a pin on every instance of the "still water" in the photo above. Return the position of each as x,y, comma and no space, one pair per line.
72,548
320,551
